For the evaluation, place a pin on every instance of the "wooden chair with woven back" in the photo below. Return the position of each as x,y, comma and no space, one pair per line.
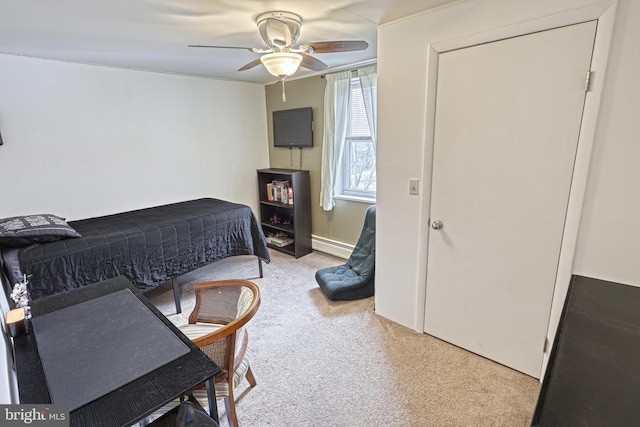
217,325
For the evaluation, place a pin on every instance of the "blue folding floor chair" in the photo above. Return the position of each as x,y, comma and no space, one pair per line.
353,280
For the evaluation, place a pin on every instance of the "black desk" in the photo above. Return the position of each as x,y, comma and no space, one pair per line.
135,400
593,376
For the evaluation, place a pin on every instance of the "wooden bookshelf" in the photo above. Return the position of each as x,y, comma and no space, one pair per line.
285,209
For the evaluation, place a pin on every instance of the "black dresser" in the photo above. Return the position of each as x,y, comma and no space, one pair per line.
593,375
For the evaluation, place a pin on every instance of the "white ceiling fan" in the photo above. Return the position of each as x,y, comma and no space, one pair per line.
281,57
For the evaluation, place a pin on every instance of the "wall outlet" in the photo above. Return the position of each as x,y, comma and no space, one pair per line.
414,186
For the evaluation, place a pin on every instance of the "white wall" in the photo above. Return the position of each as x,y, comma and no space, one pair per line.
609,240
82,140
609,234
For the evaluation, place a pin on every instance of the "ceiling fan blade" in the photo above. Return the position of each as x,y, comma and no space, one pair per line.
250,65
312,63
336,46
222,47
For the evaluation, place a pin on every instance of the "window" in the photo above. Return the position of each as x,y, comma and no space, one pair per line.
359,155
349,138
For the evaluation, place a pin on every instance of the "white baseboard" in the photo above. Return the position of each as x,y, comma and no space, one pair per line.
331,247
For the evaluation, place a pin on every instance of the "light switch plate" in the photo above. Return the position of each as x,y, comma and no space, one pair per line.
414,186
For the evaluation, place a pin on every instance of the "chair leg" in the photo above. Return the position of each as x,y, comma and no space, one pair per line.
230,407
250,377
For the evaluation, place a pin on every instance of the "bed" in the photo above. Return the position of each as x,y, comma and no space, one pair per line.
148,246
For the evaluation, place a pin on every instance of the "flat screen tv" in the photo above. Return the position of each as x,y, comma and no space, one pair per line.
293,128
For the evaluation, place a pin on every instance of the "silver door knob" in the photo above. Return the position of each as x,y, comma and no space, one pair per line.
437,224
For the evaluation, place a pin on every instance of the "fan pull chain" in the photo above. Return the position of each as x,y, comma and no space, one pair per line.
284,95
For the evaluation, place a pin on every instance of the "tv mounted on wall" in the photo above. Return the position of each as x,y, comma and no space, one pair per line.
293,128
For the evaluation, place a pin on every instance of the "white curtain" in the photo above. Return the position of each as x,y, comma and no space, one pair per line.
368,82
336,118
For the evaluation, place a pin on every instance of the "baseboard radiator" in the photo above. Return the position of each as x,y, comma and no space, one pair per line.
331,247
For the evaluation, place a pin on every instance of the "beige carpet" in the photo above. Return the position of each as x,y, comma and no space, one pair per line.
323,363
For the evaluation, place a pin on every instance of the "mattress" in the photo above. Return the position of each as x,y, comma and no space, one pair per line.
148,246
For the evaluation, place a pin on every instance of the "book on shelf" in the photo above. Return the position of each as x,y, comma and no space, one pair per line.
279,241
280,191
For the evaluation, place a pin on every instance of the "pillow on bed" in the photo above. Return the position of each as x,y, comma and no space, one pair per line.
29,229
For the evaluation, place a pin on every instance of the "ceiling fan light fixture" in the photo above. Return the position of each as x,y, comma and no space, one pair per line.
281,64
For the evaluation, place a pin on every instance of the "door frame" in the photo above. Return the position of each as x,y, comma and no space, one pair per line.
604,13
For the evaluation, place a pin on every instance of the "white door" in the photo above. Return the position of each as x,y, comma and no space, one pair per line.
507,121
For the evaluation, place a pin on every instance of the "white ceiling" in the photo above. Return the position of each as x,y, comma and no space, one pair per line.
155,34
